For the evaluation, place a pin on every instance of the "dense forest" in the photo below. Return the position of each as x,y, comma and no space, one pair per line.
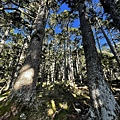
59,59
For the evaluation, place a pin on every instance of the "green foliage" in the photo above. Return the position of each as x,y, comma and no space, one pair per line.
62,47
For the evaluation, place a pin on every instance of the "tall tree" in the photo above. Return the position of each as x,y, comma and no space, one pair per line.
111,47
111,7
97,20
103,103
99,90
25,84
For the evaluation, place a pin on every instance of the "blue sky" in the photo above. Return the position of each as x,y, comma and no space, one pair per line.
76,22
65,7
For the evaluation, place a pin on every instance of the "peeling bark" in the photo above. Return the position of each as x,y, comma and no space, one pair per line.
103,103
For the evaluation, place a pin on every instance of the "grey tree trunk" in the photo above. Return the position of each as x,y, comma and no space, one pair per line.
103,103
111,7
98,42
52,67
115,45
25,85
70,64
64,67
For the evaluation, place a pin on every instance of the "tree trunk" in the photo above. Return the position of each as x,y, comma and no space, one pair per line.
111,7
103,103
19,62
25,84
111,47
98,42
115,45
70,66
64,68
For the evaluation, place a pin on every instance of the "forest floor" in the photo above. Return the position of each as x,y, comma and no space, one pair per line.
58,101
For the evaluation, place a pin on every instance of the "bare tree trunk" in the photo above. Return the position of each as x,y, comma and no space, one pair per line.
64,68
53,72
98,41
70,64
103,103
25,84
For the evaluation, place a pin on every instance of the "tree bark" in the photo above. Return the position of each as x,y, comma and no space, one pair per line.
64,60
98,42
111,7
103,103
25,85
70,65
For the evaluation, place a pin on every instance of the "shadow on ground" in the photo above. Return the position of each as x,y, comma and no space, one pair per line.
58,101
